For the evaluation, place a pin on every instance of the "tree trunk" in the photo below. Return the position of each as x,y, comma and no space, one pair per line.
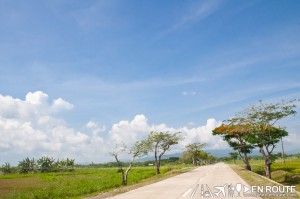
124,181
194,161
268,169
282,151
158,165
157,162
267,162
126,173
245,159
248,166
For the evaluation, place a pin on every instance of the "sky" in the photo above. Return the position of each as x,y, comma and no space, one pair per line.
78,77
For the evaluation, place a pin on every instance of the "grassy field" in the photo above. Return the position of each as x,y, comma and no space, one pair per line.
76,184
287,173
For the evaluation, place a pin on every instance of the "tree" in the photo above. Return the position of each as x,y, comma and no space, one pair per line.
194,151
237,138
160,142
139,149
64,165
45,164
6,168
234,156
262,119
27,166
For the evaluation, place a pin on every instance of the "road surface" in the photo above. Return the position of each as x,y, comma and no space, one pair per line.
218,181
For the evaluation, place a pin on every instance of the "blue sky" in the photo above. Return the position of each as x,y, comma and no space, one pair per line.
177,63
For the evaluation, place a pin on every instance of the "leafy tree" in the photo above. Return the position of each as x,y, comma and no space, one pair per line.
210,158
27,166
262,119
70,164
194,152
139,149
204,157
234,156
6,168
46,164
64,165
237,138
159,143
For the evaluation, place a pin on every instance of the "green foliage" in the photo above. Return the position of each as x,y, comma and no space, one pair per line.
287,173
236,136
256,127
193,153
139,149
6,168
162,141
77,184
45,164
64,165
234,156
27,166
159,143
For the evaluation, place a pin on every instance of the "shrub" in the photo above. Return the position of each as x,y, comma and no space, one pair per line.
6,168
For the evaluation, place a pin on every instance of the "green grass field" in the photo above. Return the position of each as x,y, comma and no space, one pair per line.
81,182
287,173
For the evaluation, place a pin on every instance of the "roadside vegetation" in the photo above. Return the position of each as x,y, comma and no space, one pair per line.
256,127
76,184
284,171
287,173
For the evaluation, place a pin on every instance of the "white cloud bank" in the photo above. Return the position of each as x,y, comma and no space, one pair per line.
31,128
129,131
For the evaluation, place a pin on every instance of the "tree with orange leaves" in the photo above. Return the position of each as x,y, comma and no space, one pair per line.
236,136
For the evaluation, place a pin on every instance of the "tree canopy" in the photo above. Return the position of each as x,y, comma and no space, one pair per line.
160,142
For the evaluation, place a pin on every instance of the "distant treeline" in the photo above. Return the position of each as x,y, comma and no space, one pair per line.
257,157
43,164
169,161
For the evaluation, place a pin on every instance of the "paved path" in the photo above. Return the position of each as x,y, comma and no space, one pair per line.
198,183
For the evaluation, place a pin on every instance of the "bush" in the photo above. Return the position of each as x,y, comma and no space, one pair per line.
6,168
45,164
27,166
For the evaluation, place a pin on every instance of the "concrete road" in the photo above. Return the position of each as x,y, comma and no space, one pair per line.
218,181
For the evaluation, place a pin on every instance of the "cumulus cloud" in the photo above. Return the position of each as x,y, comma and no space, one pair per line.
60,104
29,128
95,127
37,98
130,131
203,134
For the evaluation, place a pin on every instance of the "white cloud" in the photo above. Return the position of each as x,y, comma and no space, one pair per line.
203,134
37,98
60,104
95,127
29,128
129,132
191,93
292,139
